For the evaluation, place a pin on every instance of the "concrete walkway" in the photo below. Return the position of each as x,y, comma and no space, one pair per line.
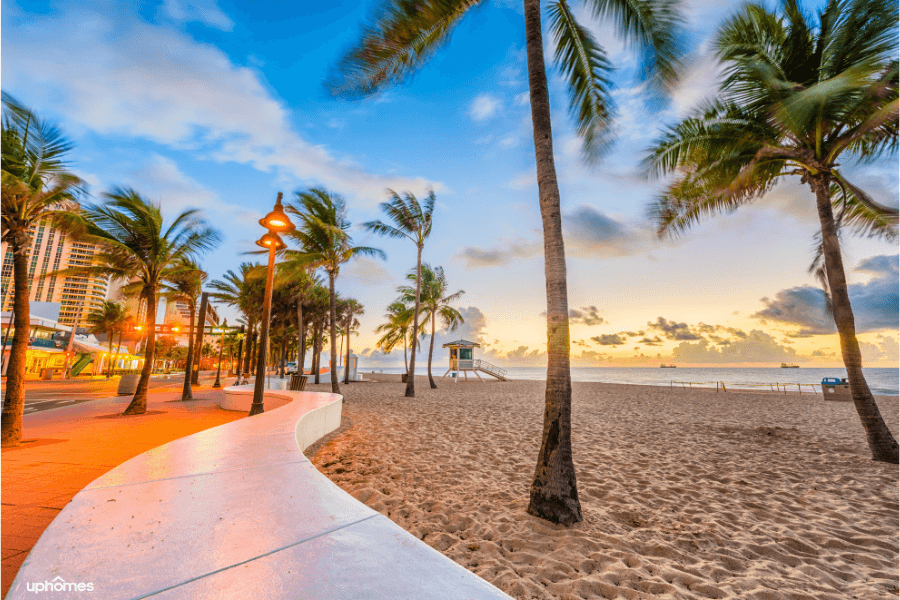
67,448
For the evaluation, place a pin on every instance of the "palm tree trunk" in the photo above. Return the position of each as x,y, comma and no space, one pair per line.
301,338
121,332
405,357
347,358
411,379
138,404
431,350
14,403
186,393
881,443
554,493
332,331
249,347
109,366
317,349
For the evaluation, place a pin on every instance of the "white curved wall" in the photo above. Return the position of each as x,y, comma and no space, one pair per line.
237,511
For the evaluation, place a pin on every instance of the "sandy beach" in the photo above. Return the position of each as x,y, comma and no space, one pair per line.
685,493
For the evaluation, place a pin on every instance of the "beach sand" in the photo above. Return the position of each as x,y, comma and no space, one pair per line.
685,493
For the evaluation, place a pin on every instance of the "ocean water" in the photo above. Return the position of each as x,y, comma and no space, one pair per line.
881,381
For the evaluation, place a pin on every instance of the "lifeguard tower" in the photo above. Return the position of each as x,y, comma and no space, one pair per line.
462,360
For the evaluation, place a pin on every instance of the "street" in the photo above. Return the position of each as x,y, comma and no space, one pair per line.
44,395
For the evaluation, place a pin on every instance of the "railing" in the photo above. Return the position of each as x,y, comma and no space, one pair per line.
772,387
489,368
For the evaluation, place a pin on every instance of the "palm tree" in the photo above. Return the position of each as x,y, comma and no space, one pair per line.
35,185
109,318
324,242
397,329
136,245
352,309
435,301
407,35
184,284
244,291
799,96
413,221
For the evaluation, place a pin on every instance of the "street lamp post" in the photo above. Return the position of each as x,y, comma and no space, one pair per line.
276,222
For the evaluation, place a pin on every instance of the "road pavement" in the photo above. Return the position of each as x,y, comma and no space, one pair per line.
44,395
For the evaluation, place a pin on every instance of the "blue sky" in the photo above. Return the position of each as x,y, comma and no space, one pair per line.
221,105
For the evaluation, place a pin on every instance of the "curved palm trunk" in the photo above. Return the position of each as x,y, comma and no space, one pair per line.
110,365
120,341
138,404
405,357
251,342
431,351
332,331
186,393
881,443
411,378
347,358
317,349
554,493
301,338
14,403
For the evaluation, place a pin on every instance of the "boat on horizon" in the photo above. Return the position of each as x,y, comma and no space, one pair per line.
789,366
667,366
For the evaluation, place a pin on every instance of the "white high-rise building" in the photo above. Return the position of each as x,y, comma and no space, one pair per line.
52,250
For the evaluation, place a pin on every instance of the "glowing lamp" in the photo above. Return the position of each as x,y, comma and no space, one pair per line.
269,241
277,221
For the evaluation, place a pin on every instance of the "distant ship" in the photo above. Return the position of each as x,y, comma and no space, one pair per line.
789,366
666,366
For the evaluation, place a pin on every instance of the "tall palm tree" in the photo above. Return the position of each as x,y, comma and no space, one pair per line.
412,221
435,301
109,318
324,242
396,329
801,96
185,283
352,309
137,245
243,290
35,185
402,40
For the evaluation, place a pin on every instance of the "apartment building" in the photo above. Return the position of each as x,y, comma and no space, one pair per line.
51,251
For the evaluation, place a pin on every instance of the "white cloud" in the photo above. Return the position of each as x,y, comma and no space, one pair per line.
484,107
198,11
367,272
132,78
523,99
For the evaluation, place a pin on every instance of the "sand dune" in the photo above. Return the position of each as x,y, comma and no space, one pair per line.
685,493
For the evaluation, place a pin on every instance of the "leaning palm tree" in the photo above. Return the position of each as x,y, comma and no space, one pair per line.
800,97
412,221
435,301
396,329
184,284
352,309
406,35
35,185
109,318
324,242
137,245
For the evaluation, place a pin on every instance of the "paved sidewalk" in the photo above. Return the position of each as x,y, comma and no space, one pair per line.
72,446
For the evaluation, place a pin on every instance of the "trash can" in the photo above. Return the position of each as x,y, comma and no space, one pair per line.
46,374
404,377
128,384
836,389
298,382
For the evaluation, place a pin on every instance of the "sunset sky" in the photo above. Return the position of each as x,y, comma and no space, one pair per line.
222,105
